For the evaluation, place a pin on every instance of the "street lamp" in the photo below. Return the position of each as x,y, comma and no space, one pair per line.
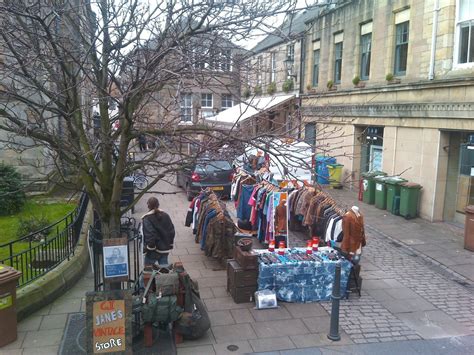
289,62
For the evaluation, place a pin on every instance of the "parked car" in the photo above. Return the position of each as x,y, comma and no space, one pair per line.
206,173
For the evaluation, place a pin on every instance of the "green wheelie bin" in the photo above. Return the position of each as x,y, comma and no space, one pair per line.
368,186
380,192
393,194
409,195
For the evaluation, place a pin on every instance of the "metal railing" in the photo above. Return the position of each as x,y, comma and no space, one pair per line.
38,253
129,229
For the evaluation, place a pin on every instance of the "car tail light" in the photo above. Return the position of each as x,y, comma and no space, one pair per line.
195,177
231,176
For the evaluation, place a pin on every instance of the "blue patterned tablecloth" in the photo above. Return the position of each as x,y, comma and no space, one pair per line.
303,281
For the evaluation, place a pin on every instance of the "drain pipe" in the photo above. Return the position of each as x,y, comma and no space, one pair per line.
431,73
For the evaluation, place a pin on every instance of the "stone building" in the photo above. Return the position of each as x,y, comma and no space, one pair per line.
389,85
273,68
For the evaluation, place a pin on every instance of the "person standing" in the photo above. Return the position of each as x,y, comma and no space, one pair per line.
142,142
158,233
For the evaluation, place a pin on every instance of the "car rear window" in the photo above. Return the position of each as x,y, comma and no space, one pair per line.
212,166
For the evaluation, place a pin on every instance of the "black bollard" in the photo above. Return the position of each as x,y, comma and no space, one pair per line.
336,296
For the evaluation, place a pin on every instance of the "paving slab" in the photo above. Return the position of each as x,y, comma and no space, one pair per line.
44,350
43,338
197,350
318,324
242,315
221,318
280,327
262,315
55,321
4,351
319,339
243,347
30,323
303,310
62,306
236,332
272,344
223,303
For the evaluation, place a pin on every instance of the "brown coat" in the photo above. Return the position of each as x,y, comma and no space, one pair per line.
354,234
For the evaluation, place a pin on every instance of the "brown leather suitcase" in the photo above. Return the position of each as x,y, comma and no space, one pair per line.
243,294
238,277
246,259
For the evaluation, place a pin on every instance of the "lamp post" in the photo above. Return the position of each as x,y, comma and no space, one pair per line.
289,62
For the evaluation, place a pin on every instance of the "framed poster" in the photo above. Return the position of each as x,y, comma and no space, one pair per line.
115,254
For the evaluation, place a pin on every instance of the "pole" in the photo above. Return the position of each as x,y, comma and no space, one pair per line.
336,296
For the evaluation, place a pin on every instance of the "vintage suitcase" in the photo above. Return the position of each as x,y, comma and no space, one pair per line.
243,294
246,259
238,277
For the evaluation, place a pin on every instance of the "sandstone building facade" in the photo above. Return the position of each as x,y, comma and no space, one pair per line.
421,122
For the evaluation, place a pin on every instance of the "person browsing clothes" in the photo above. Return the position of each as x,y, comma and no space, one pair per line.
158,233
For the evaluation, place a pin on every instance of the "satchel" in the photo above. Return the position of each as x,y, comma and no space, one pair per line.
166,282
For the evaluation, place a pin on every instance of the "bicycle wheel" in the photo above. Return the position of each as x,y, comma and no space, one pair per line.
140,182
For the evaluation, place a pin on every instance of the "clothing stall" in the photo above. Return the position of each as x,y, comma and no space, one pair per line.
212,225
335,234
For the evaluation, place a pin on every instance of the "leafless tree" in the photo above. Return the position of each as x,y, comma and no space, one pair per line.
62,60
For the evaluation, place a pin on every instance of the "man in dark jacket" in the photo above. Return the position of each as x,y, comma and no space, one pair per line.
158,232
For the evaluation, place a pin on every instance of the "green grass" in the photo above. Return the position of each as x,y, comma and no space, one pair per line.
34,207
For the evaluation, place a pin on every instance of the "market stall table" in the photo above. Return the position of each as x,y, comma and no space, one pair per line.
303,281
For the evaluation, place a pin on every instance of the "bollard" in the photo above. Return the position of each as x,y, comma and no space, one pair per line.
336,296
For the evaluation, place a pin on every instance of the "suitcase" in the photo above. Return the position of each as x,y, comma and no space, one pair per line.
238,277
243,294
246,259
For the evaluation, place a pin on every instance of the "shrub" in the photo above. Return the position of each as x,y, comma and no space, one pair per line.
31,224
257,90
272,88
288,85
330,84
309,87
389,77
356,80
12,196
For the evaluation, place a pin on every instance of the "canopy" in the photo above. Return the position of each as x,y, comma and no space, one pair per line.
247,109
288,159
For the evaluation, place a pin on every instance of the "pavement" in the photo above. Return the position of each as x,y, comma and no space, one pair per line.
417,296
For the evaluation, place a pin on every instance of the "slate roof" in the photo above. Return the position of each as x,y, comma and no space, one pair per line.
289,29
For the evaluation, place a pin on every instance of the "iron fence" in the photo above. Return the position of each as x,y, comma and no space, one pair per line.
130,230
38,253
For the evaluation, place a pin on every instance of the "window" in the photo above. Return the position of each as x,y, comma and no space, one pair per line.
310,134
226,60
206,100
315,67
186,105
226,101
365,48
273,67
465,30
337,62
401,48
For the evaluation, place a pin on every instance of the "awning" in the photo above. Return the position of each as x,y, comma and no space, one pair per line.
247,109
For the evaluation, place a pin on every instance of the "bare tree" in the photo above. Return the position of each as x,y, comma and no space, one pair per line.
60,59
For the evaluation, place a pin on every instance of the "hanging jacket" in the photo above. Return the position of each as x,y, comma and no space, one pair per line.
354,234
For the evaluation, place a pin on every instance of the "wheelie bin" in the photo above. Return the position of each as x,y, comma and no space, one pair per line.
8,320
393,194
409,195
380,192
335,173
368,186
322,172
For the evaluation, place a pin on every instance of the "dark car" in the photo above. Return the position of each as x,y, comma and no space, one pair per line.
206,173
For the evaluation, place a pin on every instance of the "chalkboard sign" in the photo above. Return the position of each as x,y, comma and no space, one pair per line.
109,326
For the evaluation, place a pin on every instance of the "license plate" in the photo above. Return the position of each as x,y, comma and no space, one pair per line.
217,188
